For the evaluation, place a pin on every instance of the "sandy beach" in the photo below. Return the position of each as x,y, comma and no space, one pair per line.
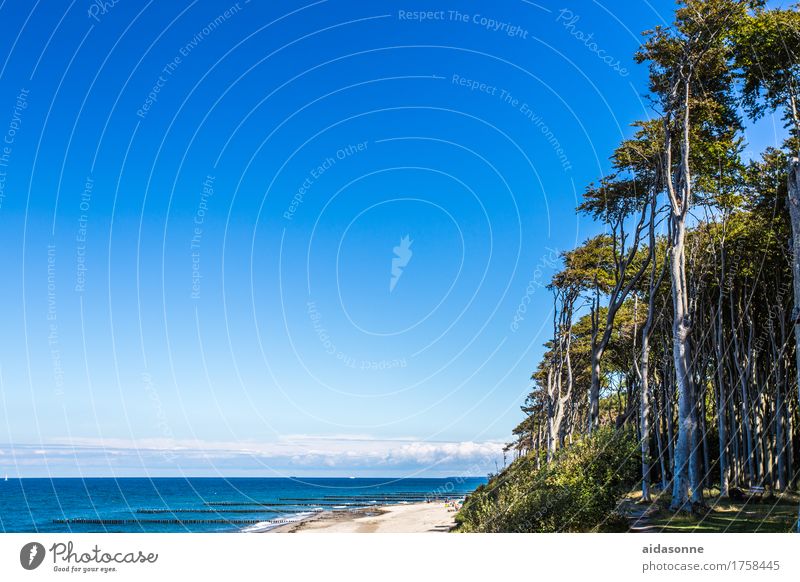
407,518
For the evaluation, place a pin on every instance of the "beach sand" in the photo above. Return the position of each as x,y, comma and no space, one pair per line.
410,518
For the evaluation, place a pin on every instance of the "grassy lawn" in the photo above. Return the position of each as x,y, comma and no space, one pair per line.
771,514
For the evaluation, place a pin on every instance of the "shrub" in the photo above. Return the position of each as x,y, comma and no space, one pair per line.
577,491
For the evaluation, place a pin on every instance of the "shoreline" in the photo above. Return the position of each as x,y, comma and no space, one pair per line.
434,517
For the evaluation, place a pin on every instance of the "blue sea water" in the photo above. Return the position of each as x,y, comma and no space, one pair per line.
198,504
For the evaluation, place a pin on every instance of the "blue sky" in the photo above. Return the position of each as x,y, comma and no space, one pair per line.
200,207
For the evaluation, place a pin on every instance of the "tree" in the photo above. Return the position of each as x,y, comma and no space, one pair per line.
642,156
768,57
691,79
616,202
708,351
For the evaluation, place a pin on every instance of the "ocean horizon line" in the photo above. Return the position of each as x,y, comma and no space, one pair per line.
296,477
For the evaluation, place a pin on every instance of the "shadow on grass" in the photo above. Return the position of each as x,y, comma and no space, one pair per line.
771,514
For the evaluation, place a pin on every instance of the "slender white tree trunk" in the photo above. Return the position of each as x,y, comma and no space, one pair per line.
597,352
680,351
722,428
645,415
551,438
658,415
680,199
718,341
794,213
743,358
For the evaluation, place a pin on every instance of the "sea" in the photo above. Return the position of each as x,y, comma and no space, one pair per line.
200,504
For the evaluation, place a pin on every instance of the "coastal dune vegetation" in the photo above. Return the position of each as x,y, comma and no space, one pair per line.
577,491
670,379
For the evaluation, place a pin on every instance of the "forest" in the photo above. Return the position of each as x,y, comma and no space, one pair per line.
672,363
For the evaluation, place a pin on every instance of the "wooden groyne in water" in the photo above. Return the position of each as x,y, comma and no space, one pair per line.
378,498
221,510
330,500
85,521
276,504
285,505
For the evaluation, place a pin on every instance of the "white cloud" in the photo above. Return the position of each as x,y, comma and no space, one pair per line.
333,454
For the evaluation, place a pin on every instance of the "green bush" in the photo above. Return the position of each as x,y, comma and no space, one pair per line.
576,492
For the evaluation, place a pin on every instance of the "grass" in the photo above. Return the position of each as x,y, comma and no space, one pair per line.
771,514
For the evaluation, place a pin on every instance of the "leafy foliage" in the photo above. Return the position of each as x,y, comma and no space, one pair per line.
576,492
768,58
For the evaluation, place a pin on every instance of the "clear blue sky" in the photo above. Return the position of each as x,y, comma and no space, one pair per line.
199,209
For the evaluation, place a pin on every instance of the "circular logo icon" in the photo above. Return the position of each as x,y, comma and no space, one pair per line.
31,555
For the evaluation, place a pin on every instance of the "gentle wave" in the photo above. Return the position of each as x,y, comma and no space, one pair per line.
263,526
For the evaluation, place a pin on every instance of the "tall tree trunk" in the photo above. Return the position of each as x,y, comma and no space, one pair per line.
644,411
791,477
643,368
722,428
780,442
594,387
743,358
780,406
704,443
669,399
551,399
539,447
680,199
683,378
759,413
734,441
659,440
794,214
735,430
695,469
565,361
624,251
